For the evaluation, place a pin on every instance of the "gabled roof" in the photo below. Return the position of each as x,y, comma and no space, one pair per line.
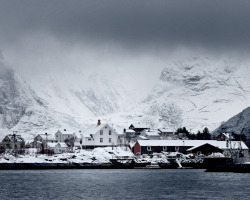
18,138
94,128
193,143
206,144
53,145
64,132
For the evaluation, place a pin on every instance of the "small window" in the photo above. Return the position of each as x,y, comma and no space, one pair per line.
101,140
89,139
164,148
149,148
110,140
110,132
176,148
101,132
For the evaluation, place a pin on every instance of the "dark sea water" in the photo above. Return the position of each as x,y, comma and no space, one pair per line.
123,184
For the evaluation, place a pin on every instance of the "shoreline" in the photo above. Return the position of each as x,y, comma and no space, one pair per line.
40,166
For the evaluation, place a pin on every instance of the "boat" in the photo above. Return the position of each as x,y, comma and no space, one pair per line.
152,166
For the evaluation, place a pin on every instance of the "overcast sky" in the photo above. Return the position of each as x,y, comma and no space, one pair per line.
51,34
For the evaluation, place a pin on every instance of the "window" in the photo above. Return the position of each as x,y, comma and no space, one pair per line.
164,148
89,139
110,140
101,140
101,132
149,148
110,132
176,148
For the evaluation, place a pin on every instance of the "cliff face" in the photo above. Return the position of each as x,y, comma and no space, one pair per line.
15,97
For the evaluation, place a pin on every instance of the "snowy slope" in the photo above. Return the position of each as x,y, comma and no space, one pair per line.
202,92
239,123
22,110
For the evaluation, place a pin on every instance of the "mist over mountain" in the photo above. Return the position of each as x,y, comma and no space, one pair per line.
196,93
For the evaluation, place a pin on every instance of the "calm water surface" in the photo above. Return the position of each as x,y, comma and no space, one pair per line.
123,184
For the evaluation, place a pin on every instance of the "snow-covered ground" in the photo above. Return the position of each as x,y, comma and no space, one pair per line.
98,155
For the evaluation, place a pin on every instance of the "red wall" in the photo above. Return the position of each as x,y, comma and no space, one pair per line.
137,148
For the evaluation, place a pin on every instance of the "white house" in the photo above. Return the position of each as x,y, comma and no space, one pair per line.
62,136
99,135
59,147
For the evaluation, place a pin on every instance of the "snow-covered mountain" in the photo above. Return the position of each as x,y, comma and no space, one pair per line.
239,124
195,93
21,109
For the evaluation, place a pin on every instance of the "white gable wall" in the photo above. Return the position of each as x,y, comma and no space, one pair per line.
102,139
106,136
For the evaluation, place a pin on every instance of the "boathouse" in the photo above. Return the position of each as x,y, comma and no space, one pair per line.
205,149
157,146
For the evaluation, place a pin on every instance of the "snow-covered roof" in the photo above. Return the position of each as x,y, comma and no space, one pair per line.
130,131
168,130
151,132
78,134
119,129
193,143
28,141
93,129
64,132
142,137
227,135
192,148
53,145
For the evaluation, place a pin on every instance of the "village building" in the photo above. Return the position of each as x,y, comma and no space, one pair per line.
130,135
12,141
138,128
62,136
224,137
59,147
150,135
41,139
157,146
99,135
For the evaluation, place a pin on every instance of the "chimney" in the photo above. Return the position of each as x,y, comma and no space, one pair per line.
98,122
